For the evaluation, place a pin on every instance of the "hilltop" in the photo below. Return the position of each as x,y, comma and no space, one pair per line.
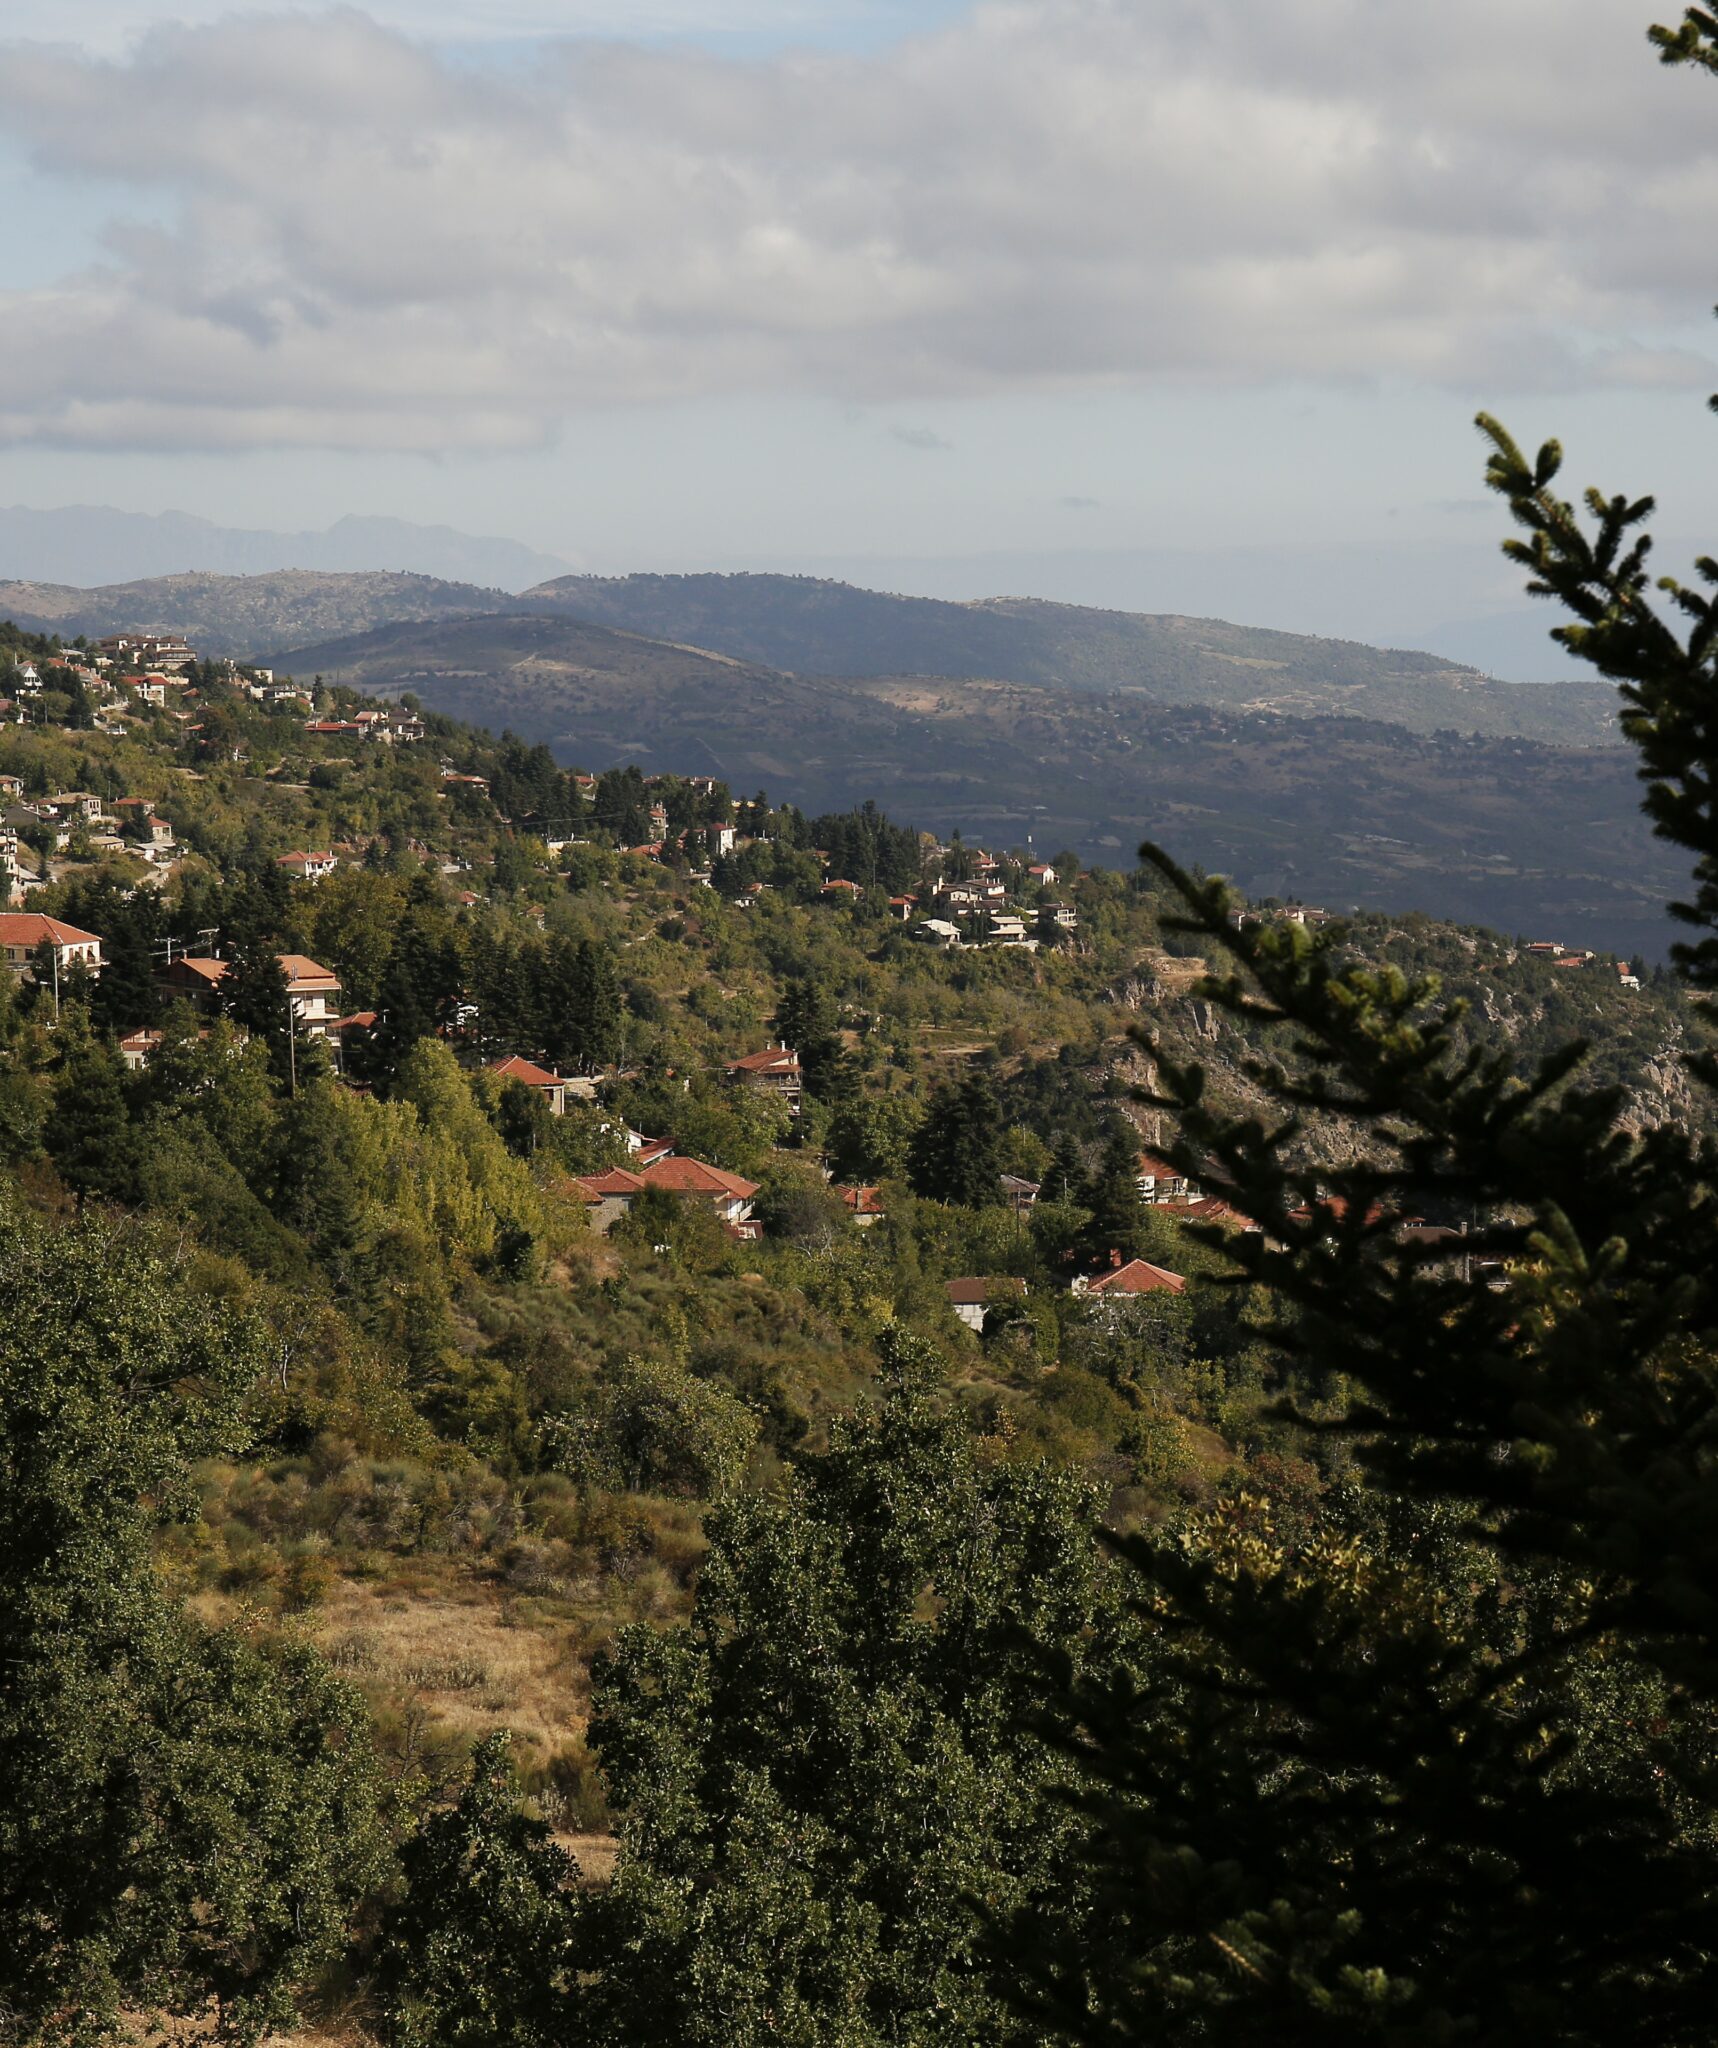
243,616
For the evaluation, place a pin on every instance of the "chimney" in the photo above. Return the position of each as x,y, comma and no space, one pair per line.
1115,1259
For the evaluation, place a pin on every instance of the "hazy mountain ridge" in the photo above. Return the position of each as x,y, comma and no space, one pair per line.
93,545
245,616
816,627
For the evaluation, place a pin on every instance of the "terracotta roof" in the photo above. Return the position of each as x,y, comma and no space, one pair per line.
205,970
360,1020
693,1177
1158,1167
652,1149
776,1059
513,1068
862,1201
971,1293
303,972
616,1181
1139,1276
31,927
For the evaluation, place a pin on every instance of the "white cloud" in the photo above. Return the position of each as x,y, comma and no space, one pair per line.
374,246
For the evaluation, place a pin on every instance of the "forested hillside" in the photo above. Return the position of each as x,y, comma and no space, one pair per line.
459,1426
1527,836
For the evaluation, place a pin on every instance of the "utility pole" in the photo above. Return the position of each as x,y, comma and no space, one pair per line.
291,1048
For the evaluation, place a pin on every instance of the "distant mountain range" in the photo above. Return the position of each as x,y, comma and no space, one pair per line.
94,544
809,626
816,627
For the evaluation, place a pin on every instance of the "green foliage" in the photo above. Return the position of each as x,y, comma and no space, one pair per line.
480,1952
189,1814
816,1775
955,1154
650,1425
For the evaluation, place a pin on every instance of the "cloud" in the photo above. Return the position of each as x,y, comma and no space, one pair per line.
370,244
1075,504
925,438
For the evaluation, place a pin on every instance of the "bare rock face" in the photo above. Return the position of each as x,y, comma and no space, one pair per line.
1205,1020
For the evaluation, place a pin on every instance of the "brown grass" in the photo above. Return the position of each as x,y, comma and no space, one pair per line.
465,1656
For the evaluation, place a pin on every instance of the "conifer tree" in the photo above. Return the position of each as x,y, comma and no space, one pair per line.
1438,1768
955,1154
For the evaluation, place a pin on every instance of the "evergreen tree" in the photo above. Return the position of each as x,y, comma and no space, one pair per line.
1120,1221
480,1951
955,1151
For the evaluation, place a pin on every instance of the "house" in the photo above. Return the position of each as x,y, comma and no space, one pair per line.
864,1205
307,867
11,786
937,931
1161,1182
775,1071
973,1299
147,650
549,1086
901,908
74,803
1017,1194
22,932
729,1195
847,892
611,1194
1005,929
28,679
1129,1282
1043,873
312,990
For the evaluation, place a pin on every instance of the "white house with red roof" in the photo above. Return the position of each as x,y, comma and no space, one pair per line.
313,990
23,932
612,1193
307,867
973,1298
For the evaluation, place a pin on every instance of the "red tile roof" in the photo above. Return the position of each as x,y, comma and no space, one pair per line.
513,1068
693,1177
971,1293
616,1181
775,1060
1139,1276
31,927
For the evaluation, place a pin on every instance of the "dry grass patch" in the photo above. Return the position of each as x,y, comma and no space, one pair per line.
462,1658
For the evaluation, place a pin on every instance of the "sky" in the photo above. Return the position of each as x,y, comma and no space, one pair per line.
1171,304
